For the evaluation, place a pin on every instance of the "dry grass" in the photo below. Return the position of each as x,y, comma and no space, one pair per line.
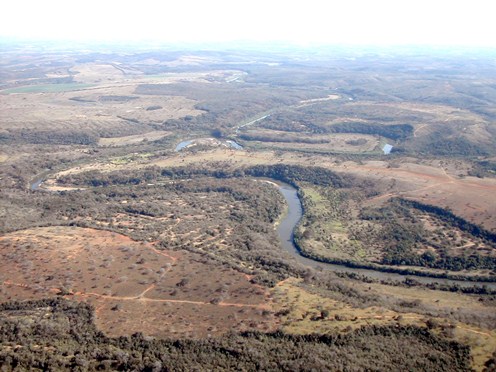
469,197
304,312
482,338
131,140
338,142
96,73
133,286
441,113
92,109
100,107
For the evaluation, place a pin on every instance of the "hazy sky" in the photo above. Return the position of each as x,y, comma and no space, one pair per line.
468,22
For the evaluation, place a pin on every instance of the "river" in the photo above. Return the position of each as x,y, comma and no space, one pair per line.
286,233
286,229
230,143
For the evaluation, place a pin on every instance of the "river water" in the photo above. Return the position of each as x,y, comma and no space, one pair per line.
182,145
230,143
286,229
286,233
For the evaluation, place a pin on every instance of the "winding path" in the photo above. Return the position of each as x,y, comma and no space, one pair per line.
147,299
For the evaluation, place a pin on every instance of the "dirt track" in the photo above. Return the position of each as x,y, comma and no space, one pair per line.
58,253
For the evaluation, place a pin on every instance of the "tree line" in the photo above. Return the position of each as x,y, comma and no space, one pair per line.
67,339
291,174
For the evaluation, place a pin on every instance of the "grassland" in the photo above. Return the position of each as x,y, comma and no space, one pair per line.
99,112
190,257
304,310
134,286
130,140
48,88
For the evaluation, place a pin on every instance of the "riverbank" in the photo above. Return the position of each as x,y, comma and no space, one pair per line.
286,233
288,223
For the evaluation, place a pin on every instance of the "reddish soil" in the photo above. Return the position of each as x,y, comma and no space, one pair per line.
134,286
469,197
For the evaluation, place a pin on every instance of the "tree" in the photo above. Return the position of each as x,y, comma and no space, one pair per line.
217,133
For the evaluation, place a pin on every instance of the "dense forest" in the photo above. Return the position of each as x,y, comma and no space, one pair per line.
291,174
60,335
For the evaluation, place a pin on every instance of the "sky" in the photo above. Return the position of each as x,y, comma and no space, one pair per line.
305,22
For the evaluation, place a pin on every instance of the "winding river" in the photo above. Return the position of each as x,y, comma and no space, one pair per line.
286,233
286,229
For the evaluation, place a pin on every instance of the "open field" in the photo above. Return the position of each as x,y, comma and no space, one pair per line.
134,286
306,311
49,88
469,197
130,140
332,143
101,112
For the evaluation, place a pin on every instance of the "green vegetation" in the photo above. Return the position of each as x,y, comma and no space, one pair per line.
209,205
292,174
403,238
336,229
483,168
278,138
67,339
125,204
329,232
454,147
394,131
49,138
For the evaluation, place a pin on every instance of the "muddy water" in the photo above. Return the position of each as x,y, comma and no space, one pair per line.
183,144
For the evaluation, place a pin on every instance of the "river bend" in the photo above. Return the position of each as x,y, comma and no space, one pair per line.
286,229
286,233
